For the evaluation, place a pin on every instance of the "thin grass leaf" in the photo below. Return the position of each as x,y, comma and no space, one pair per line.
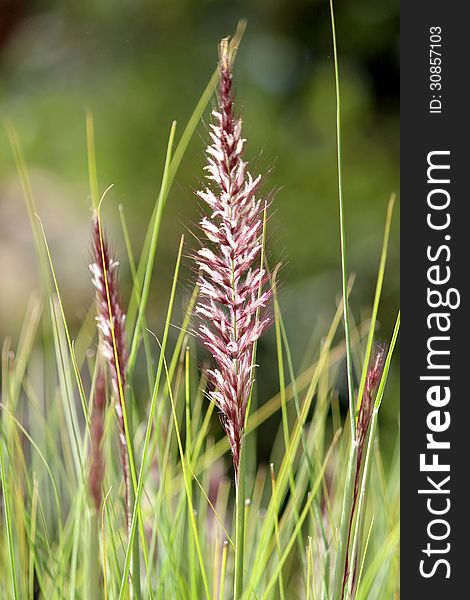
375,308
145,456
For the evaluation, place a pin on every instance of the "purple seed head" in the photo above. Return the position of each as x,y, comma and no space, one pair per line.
103,263
373,377
231,281
111,326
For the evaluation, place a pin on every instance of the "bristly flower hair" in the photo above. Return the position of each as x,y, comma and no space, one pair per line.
232,283
111,326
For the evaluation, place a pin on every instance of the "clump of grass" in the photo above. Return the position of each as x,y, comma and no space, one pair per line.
320,523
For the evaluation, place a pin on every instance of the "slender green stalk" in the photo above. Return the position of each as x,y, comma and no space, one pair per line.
355,547
187,383
153,248
8,522
32,553
239,524
357,539
91,154
191,548
349,487
223,569
282,391
366,545
215,567
282,594
375,308
76,538
309,561
94,590
344,270
135,289
135,573
348,495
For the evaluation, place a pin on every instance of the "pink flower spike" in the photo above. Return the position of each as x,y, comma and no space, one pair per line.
231,283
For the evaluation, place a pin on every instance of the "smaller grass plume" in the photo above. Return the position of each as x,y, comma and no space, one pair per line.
364,417
111,326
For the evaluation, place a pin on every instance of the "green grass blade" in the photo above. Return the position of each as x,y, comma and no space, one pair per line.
153,248
91,154
375,308
153,403
344,270
8,522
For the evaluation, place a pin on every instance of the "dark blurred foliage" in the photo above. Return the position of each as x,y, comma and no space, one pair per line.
139,64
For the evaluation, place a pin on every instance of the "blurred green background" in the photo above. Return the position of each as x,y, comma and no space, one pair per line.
139,64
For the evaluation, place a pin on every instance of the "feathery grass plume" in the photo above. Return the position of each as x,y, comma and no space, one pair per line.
111,325
230,280
97,432
373,377
374,374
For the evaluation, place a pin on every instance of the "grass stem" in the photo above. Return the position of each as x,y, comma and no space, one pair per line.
344,270
239,525
94,592
344,525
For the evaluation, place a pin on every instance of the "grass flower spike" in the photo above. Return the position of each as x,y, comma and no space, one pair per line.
230,278
111,325
373,376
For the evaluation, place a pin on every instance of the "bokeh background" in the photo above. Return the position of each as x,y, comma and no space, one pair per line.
139,64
